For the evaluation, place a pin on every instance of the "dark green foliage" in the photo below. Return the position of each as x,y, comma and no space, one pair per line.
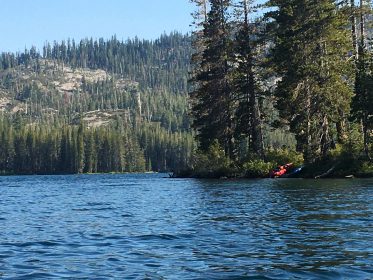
257,168
40,149
211,98
284,156
213,163
247,92
362,102
96,106
75,149
228,85
293,68
311,43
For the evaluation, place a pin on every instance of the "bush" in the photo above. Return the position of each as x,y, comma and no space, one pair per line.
283,156
366,170
257,168
213,163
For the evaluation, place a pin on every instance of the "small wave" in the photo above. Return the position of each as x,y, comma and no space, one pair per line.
6,255
25,267
82,209
126,215
96,204
48,243
114,185
224,218
103,244
22,244
162,236
94,209
99,235
35,275
45,243
73,245
153,265
105,209
114,237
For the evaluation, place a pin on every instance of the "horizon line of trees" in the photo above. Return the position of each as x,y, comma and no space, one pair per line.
67,149
159,64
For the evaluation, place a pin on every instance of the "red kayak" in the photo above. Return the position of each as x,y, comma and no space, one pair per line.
280,170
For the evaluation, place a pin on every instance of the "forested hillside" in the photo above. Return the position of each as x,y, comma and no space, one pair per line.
96,106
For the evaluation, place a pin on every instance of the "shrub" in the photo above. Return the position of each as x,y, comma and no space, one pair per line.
213,163
283,156
366,170
257,168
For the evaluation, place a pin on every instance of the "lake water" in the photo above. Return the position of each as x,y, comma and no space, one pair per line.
151,227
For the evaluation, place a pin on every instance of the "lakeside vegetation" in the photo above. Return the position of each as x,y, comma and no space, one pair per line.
304,66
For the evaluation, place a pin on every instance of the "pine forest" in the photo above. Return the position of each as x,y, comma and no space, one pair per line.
96,106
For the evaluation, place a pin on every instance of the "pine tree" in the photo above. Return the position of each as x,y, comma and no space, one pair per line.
248,113
80,148
212,105
310,56
362,105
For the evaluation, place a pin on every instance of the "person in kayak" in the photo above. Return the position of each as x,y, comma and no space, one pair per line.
280,170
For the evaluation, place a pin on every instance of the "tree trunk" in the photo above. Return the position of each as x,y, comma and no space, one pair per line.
258,141
362,29
366,135
325,138
341,128
362,49
353,30
257,144
308,149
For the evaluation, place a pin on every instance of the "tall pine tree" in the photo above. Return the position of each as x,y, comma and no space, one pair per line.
247,91
310,56
362,105
212,102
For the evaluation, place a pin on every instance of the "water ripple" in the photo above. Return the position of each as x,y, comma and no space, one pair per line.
150,227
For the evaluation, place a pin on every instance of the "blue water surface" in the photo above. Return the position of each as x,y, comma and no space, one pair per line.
148,226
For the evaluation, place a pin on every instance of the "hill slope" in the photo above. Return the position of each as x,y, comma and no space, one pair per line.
79,100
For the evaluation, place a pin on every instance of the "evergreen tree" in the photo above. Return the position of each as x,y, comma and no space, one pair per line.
311,46
212,103
247,91
362,105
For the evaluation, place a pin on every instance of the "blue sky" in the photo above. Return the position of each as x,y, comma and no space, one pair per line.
26,23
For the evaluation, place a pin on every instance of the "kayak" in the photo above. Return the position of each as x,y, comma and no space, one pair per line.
281,170
296,170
